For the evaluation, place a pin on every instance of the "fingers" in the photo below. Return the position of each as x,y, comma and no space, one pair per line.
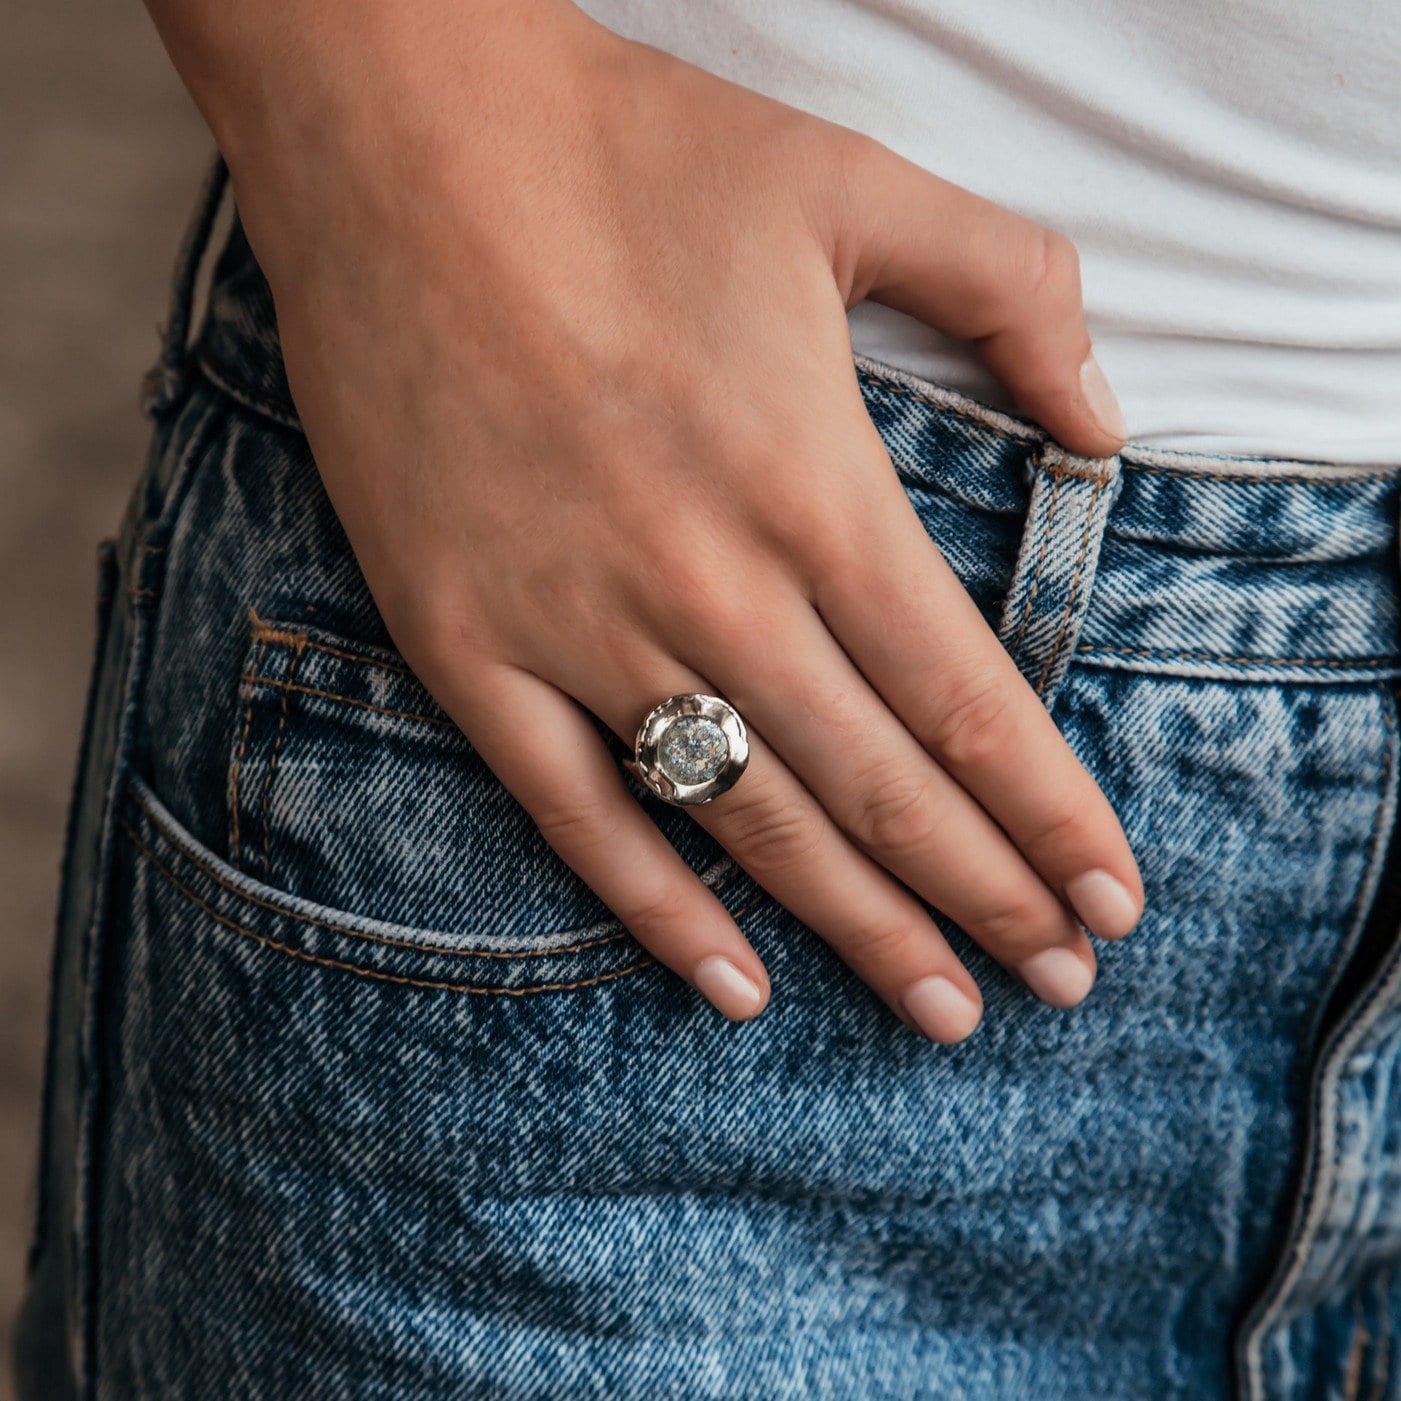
792,682
981,273
905,620
777,831
576,795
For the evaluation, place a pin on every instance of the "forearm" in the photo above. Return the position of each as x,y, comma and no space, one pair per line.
288,76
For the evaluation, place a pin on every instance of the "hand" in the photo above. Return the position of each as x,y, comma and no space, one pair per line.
565,321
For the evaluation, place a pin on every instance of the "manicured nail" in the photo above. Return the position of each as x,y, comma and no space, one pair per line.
1100,400
731,992
1057,976
941,1010
1104,904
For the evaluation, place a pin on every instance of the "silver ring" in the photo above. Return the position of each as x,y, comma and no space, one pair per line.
690,749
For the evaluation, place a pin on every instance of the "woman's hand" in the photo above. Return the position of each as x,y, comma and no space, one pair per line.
565,321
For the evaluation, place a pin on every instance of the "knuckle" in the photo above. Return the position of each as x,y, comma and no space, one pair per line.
662,911
1046,268
697,591
1064,827
873,944
969,731
772,836
708,606
577,824
1016,928
896,812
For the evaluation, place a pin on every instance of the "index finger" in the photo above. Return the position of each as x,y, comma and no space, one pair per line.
902,615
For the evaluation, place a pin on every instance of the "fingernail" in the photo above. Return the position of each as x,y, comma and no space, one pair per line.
1104,904
941,1010
1057,976
1099,398
737,996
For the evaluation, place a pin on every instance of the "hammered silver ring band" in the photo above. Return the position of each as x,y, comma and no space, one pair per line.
690,749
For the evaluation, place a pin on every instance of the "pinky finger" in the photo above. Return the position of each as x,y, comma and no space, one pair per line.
584,811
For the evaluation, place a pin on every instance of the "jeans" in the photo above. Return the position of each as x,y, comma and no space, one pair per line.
354,1090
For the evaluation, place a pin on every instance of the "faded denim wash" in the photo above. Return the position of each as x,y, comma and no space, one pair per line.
356,1091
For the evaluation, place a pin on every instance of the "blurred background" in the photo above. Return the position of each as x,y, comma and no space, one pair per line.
101,155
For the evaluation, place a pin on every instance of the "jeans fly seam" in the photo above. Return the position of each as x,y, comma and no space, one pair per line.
1304,1228
331,927
398,978
1040,563
1374,853
272,762
234,835
1074,592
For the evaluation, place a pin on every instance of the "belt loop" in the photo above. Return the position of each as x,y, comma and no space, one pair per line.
1071,498
164,383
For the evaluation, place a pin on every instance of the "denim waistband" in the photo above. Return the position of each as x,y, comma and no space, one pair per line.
1209,565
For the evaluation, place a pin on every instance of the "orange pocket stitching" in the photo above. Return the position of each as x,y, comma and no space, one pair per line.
264,631
256,680
235,840
272,763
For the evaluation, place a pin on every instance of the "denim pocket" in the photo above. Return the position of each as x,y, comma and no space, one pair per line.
350,788
181,885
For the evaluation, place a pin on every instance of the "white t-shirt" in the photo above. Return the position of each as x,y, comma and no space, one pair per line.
1230,171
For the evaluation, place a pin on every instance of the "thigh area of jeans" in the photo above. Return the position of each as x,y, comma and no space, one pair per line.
394,1109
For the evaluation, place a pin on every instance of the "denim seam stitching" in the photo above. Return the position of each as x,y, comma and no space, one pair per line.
1040,563
906,393
399,978
254,679
408,944
1304,1229
1074,592
235,836
1161,654
272,762
1151,469
264,631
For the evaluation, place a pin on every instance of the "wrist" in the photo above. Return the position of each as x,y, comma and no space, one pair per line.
281,82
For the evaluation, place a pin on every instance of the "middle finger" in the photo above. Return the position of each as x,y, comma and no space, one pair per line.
784,672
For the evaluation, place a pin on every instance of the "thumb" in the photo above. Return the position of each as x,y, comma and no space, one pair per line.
976,271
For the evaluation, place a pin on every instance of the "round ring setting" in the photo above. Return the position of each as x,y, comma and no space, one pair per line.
690,749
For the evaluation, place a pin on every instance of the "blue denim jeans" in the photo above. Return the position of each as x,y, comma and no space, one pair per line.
355,1091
